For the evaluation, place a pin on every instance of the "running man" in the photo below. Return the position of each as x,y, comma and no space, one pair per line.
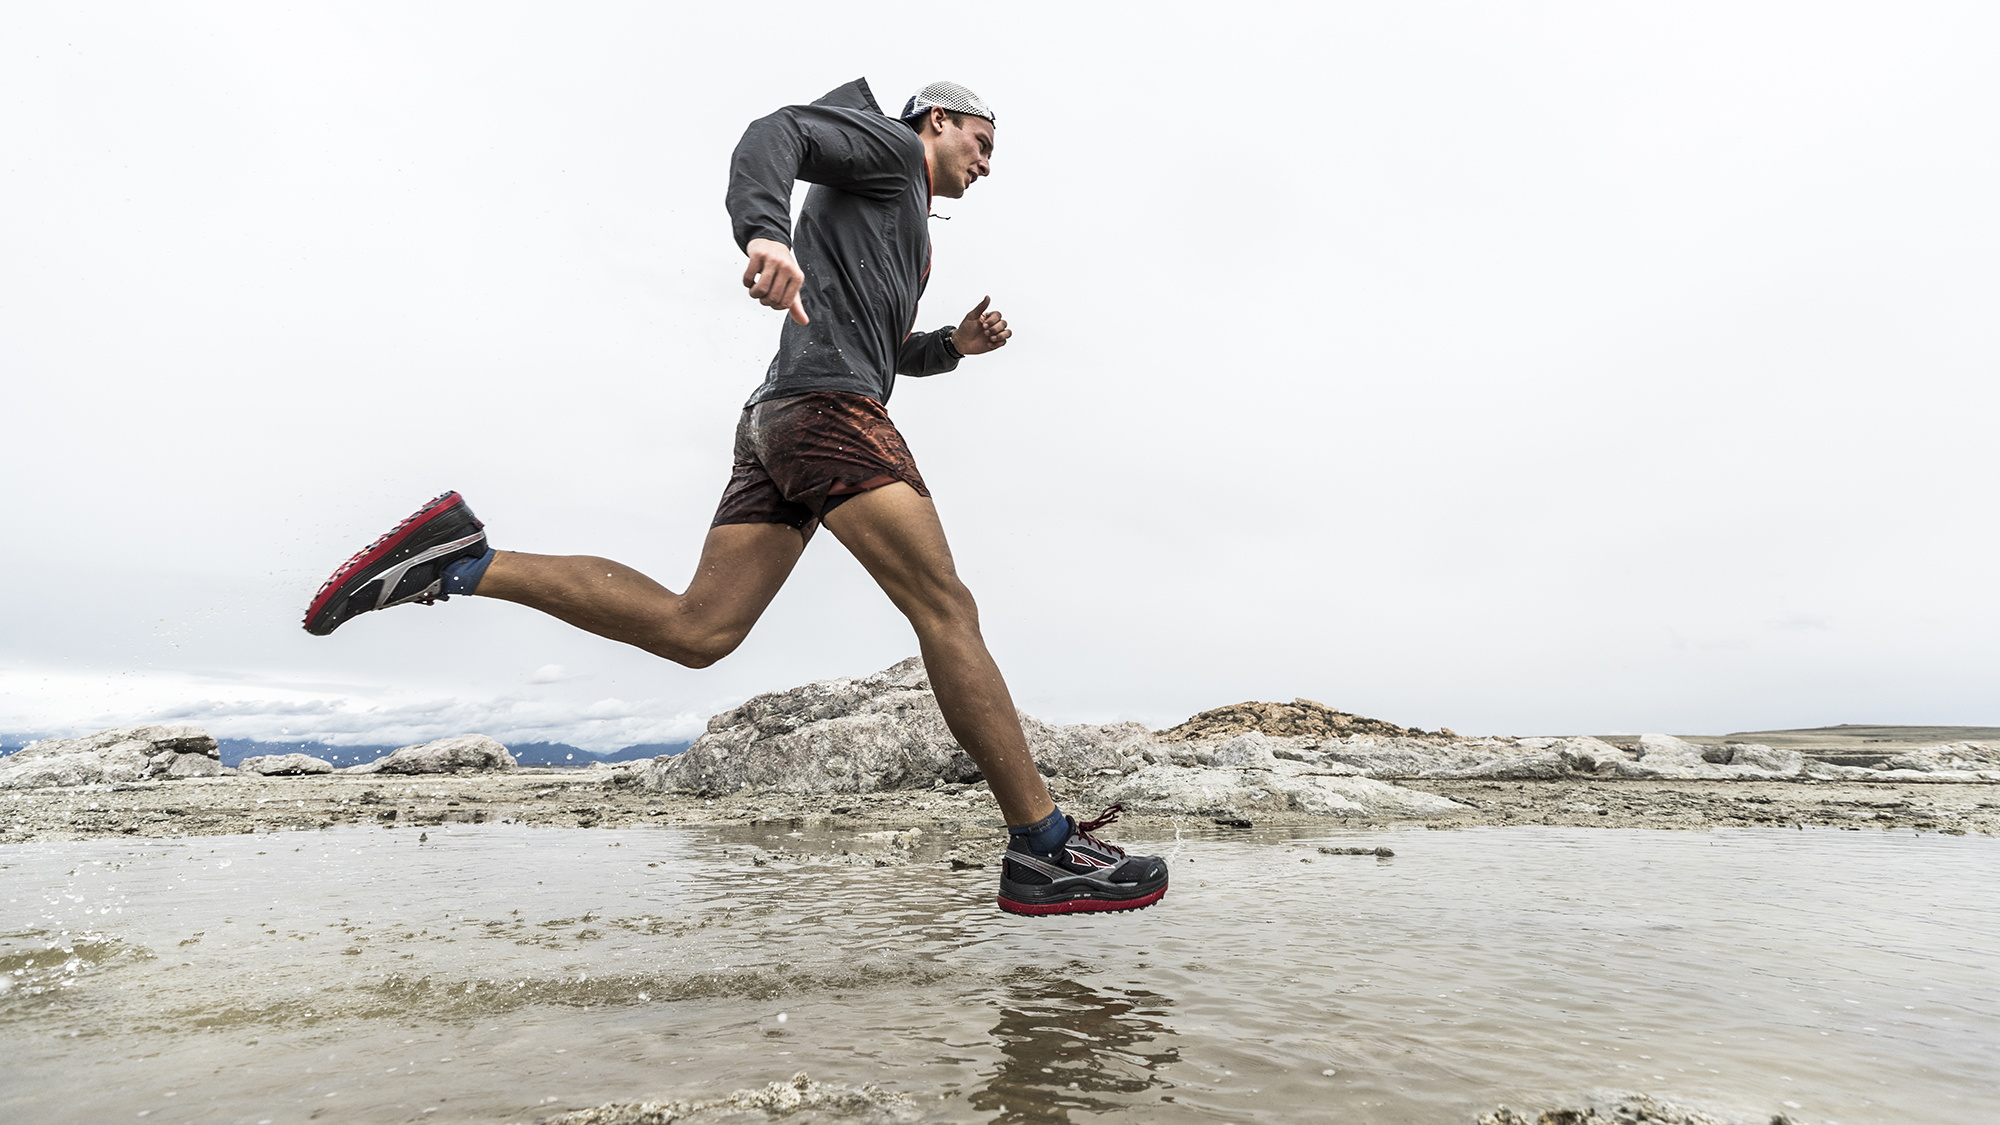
814,446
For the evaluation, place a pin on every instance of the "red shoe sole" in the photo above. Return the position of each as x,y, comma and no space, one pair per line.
1082,905
378,550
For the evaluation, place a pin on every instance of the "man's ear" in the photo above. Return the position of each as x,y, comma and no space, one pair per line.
938,119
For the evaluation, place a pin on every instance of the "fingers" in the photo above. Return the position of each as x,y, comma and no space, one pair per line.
774,278
987,330
784,289
994,327
798,311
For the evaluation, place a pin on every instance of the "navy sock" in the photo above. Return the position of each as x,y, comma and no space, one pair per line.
462,576
1045,835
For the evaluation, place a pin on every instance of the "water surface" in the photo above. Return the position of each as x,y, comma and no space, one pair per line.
497,973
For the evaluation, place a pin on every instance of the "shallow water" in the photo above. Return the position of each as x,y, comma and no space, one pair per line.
496,973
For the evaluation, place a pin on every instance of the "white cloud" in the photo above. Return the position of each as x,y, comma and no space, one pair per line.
548,674
70,704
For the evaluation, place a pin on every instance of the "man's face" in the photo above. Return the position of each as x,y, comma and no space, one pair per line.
960,154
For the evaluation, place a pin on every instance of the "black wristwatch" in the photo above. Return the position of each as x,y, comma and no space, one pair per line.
951,345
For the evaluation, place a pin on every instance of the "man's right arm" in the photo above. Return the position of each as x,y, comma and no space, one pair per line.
818,144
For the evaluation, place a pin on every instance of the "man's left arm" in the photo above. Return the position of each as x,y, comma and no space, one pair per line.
933,353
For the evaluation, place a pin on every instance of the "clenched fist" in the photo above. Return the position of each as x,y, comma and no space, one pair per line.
774,278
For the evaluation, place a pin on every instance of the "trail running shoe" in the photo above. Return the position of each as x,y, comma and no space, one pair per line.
406,565
1085,873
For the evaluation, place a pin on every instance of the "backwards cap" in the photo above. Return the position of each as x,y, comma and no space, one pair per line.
946,96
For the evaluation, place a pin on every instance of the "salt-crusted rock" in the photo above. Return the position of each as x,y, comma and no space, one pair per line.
179,766
1622,1109
1247,775
1499,758
1766,758
866,734
285,765
120,754
1934,776
1299,718
1974,757
465,753
818,1102
1664,756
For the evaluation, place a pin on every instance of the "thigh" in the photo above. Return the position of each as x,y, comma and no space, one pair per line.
743,566
895,534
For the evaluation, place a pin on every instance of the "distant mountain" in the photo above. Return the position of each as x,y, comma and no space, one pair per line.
562,754
646,751
550,754
234,750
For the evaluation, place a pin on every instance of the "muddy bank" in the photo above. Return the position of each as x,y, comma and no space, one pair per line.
603,798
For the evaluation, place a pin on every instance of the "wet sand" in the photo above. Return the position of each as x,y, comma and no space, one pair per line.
595,799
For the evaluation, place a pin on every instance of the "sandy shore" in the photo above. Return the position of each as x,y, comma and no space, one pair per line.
591,799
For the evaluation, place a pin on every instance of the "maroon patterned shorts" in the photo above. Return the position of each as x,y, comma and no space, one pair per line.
799,458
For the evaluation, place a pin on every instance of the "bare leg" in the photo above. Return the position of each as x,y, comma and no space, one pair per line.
896,535
742,567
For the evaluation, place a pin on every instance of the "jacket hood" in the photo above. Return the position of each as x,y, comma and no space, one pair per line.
853,95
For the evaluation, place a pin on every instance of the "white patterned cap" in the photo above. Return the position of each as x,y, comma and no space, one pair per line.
948,96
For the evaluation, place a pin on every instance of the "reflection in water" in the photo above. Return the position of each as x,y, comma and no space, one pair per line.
1062,1041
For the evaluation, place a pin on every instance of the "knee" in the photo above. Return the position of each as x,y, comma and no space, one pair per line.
700,651
944,602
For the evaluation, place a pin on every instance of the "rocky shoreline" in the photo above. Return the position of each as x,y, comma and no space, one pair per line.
872,754
596,798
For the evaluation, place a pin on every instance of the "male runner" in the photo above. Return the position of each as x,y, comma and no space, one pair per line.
814,446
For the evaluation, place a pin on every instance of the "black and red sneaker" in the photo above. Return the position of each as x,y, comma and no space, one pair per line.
406,565
1085,873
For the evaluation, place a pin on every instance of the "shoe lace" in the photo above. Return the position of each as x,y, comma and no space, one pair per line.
1109,816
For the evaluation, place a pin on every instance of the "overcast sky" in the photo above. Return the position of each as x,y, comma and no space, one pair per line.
1531,368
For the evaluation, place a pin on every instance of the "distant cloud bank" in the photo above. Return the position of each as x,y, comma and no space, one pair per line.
70,704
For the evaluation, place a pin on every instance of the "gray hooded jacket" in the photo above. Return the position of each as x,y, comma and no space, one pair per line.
862,239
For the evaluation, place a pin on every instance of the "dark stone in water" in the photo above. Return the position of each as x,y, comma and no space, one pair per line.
1232,822
1622,1109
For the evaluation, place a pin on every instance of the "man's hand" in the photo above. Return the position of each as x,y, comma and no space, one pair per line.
774,278
981,331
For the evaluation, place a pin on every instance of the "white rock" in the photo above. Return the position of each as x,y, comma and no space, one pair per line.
1285,787
120,754
465,753
193,765
1957,756
1783,763
868,734
1498,758
283,765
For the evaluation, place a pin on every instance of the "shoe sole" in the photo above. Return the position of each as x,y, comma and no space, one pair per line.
331,590
1082,905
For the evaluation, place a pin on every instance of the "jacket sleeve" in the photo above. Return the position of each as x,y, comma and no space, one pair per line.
926,353
828,145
